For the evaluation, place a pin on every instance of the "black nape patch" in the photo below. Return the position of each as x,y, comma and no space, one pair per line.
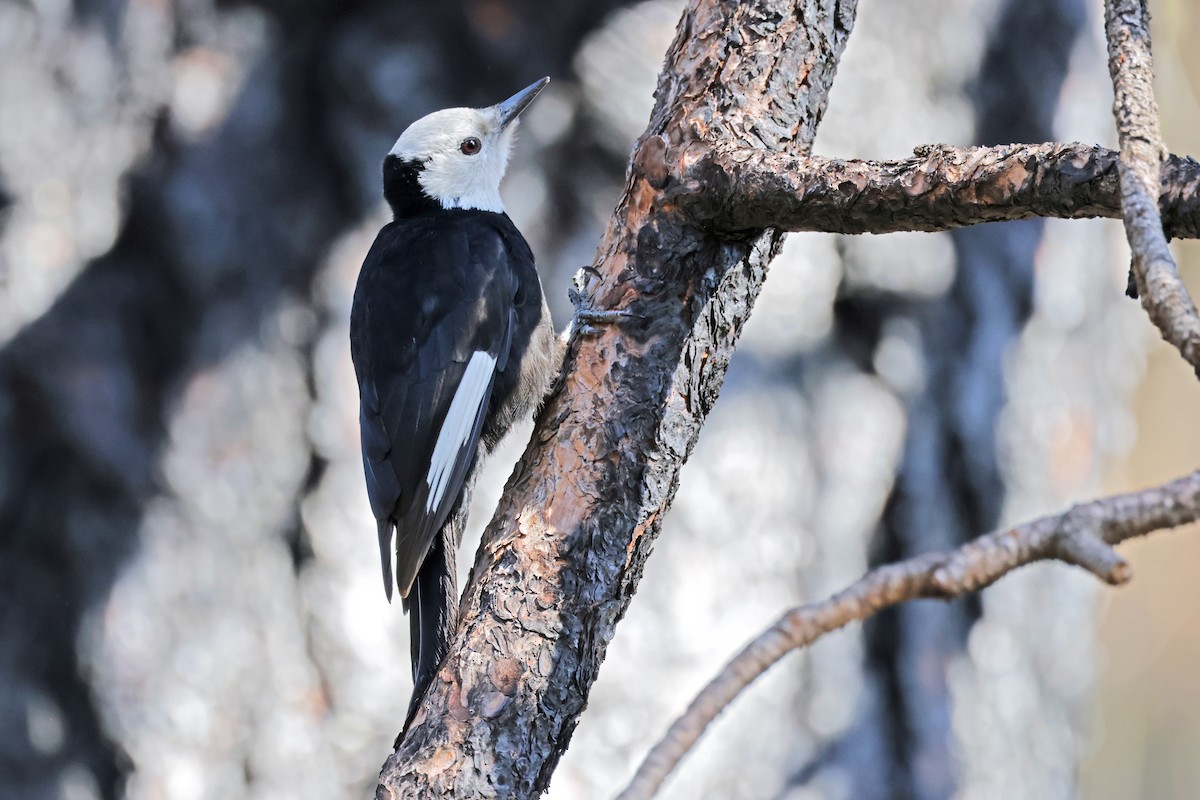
402,187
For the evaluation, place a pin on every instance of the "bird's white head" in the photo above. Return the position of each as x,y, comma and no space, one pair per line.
461,153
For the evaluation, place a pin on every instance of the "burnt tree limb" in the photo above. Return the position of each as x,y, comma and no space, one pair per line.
723,168
940,188
565,551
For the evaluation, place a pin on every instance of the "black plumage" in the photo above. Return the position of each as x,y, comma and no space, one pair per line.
448,304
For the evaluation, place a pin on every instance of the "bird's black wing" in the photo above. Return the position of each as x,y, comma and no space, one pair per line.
430,329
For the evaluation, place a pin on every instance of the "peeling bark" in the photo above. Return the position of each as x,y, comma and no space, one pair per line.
219,232
941,188
564,553
722,167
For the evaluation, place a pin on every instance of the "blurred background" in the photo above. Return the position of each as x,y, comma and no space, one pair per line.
189,594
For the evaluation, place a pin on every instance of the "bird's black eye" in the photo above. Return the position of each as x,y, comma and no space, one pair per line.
470,146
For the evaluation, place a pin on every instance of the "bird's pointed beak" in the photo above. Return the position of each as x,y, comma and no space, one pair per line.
511,108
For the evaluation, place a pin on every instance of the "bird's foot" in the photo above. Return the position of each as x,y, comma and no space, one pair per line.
587,317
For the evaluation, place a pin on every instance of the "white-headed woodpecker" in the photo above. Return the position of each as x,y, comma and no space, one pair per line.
451,341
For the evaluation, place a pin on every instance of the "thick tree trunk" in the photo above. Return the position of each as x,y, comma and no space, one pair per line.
566,548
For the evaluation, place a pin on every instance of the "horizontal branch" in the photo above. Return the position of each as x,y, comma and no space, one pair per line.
940,188
1083,535
1165,298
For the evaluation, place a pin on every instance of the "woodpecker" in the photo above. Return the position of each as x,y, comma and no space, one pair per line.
452,341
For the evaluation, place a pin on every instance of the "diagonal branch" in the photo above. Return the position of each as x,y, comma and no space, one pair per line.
939,189
565,550
1129,61
1083,535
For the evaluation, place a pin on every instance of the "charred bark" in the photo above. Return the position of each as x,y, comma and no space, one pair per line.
565,550
941,188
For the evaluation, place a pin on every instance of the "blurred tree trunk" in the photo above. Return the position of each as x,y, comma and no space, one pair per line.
949,485
223,229
175,601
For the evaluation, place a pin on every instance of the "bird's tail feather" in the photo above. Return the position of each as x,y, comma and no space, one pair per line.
432,605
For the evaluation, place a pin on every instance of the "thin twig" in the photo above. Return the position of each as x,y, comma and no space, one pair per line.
938,189
1163,294
1083,535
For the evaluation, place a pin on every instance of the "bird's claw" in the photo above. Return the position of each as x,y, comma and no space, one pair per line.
587,318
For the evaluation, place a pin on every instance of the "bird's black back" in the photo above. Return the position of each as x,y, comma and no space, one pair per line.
435,288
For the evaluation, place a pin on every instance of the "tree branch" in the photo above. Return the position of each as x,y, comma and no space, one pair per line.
1163,294
1083,535
564,552
939,189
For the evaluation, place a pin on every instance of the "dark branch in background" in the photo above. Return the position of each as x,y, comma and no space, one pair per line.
939,189
1166,300
949,484
1083,535
219,232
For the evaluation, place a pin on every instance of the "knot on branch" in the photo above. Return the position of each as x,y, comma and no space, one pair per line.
651,162
1082,546
1075,537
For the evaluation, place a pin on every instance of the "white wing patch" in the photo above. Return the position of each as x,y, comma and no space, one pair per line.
459,424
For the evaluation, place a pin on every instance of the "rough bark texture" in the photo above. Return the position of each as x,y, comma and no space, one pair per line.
226,224
565,551
940,189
